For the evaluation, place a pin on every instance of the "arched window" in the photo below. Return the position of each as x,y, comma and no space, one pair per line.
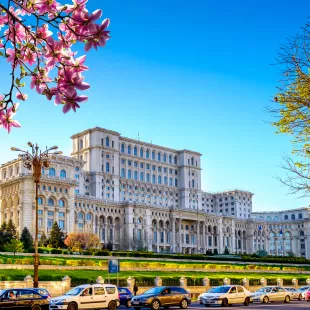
293,216
77,169
129,150
153,179
147,154
88,217
261,218
141,176
135,175
63,174
81,216
107,167
50,202
147,177
166,180
299,216
276,218
153,155
170,181
123,148
40,201
141,153
61,203
286,217
42,171
301,233
107,141
165,158
159,156
268,218
175,160
159,179
186,227
123,173
170,159
51,172
192,161
193,183
135,151
129,174
176,182
81,144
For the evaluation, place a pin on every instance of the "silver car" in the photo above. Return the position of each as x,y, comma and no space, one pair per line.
271,293
303,290
294,293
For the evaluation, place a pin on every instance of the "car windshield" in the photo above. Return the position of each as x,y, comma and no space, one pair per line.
211,290
153,291
303,288
220,289
1,292
75,291
264,290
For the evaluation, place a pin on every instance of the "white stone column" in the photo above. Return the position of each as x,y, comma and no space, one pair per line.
172,240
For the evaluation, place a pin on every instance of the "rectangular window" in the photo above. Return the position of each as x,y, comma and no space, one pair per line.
50,213
61,214
99,291
61,224
50,223
161,237
40,212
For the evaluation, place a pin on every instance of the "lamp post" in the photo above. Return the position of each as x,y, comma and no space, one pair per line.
35,160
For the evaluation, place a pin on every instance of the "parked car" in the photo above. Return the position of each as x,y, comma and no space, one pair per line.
16,298
271,293
43,292
226,295
303,290
307,295
90,296
162,296
295,294
199,299
125,296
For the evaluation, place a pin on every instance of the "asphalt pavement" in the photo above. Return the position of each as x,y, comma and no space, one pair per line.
293,305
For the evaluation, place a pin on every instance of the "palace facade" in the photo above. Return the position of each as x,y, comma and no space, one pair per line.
140,195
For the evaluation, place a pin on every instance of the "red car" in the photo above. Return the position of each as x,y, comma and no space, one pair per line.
307,295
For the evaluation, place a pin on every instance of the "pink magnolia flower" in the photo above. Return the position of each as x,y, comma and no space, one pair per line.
68,78
99,37
77,64
43,32
21,96
71,99
39,81
46,6
6,118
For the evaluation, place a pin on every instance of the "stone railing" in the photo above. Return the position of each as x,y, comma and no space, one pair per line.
57,288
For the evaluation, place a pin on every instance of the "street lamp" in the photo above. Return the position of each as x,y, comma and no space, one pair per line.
35,160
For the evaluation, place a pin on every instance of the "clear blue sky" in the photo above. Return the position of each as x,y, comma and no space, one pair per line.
184,74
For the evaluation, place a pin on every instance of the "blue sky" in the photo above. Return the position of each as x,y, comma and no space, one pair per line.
184,74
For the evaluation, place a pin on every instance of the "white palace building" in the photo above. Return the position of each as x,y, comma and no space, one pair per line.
132,193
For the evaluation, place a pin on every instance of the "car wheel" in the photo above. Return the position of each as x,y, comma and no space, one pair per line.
128,304
184,304
246,301
287,299
155,304
300,297
225,302
112,305
265,300
36,307
72,306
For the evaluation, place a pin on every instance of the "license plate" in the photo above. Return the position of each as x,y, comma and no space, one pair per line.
135,302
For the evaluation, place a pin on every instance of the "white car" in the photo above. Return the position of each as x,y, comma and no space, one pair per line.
199,299
88,296
294,293
226,295
271,293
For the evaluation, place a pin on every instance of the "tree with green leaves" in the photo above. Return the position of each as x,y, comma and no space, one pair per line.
26,239
56,239
11,229
292,110
3,226
15,246
43,240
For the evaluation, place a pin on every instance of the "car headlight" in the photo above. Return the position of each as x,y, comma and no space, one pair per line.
144,299
60,301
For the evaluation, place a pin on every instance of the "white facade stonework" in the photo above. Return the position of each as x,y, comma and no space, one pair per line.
140,195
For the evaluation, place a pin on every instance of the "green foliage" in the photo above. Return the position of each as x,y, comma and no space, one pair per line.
11,230
56,239
43,240
26,239
261,253
215,251
14,246
226,251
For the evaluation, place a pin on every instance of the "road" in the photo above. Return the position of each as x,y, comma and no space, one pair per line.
293,305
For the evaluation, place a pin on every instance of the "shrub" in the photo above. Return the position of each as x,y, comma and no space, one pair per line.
56,251
102,253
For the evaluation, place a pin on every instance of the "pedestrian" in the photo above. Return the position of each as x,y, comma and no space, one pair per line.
135,289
